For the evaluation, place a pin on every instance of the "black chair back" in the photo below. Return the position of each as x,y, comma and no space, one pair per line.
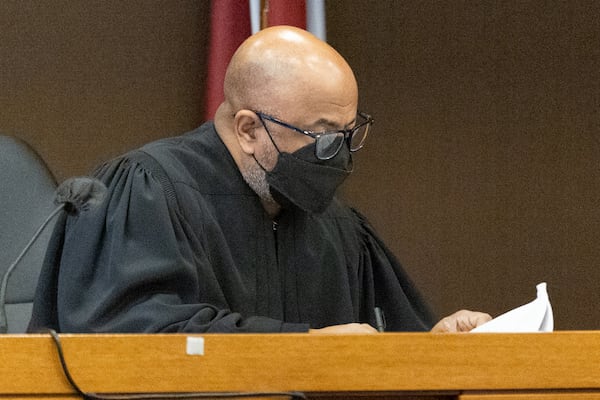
26,199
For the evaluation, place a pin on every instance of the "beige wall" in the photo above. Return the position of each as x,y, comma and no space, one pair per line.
482,171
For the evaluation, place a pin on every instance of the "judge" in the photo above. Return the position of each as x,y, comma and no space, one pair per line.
235,227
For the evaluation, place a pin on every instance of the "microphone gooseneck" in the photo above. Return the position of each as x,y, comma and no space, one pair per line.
73,195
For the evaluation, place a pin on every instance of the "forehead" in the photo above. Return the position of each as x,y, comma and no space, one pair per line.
319,108
311,98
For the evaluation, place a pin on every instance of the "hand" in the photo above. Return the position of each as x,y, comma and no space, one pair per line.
346,328
461,321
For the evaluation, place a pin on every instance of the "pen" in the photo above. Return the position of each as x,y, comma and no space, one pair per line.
379,319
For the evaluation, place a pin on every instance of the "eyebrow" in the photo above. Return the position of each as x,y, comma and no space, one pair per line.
330,125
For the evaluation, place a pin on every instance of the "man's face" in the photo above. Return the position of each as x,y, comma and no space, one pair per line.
315,103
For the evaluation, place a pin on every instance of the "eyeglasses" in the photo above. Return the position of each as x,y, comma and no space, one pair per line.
329,143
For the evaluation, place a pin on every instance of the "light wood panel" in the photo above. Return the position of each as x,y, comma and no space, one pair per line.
419,364
550,395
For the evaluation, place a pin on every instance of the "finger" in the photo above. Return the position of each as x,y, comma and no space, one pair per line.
345,328
468,320
479,318
368,328
461,321
445,325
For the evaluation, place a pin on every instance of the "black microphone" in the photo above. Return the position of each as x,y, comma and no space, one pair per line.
72,196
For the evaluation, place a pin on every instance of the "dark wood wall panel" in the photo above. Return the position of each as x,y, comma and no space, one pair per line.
483,169
83,81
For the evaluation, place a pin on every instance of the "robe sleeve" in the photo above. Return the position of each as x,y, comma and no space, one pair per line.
388,286
130,265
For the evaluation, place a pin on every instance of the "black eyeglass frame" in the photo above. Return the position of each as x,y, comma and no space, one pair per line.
348,133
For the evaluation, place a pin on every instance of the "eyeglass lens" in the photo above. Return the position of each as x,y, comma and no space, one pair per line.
328,145
358,138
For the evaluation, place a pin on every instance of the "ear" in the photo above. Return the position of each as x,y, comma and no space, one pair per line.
245,124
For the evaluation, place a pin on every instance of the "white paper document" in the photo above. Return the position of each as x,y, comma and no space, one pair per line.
536,316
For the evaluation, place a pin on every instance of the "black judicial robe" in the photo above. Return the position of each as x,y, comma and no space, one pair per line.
182,244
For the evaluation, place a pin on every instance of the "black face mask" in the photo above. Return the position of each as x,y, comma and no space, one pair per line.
303,180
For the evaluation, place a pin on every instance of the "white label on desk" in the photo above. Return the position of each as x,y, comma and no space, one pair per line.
195,346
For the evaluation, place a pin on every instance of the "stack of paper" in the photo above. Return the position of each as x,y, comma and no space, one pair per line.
536,316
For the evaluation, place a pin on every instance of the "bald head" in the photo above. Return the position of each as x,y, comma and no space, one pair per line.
280,67
291,75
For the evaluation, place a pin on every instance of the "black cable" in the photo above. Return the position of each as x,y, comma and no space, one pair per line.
63,363
157,396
